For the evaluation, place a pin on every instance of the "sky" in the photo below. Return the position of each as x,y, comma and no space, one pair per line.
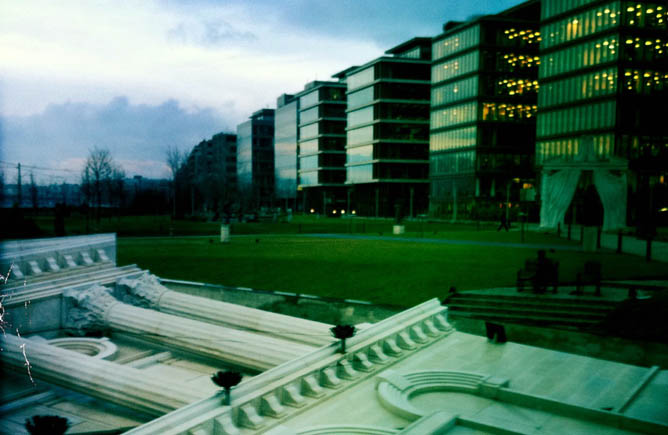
139,76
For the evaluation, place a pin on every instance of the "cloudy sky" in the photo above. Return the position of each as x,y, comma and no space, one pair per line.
137,76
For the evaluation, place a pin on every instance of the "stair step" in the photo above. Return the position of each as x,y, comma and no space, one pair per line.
577,300
541,305
520,311
524,319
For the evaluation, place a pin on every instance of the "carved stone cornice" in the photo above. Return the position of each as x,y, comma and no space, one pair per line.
144,291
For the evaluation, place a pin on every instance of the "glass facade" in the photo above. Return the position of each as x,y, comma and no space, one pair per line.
321,138
455,91
256,159
587,54
582,87
285,150
360,117
581,24
483,108
361,78
455,43
361,98
452,68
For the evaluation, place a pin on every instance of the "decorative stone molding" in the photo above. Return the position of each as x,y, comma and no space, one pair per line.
144,291
91,306
52,265
34,267
395,390
305,381
68,261
100,348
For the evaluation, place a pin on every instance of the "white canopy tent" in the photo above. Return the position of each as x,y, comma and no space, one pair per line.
559,182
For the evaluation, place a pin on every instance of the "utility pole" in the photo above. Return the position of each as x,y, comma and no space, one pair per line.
18,193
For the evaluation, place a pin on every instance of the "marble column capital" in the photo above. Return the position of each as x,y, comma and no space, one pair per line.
90,308
144,291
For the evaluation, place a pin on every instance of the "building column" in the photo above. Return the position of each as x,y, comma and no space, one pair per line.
146,291
96,307
126,386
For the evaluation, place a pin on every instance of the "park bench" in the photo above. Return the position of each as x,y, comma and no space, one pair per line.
540,274
591,275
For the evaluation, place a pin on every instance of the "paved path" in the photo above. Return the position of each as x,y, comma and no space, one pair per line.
630,244
532,246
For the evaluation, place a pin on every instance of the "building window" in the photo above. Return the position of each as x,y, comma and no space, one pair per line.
360,135
458,42
455,67
452,139
460,90
450,116
360,98
361,78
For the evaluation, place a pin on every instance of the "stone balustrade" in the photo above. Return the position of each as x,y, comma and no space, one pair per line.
263,401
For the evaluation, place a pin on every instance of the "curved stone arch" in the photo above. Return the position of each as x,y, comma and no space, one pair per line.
395,391
100,348
349,429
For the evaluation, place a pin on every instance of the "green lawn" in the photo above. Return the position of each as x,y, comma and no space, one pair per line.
389,272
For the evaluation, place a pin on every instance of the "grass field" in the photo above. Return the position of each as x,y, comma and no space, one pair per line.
389,272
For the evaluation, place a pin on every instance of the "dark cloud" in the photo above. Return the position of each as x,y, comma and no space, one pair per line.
65,132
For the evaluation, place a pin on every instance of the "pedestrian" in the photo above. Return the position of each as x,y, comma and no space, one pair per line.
504,221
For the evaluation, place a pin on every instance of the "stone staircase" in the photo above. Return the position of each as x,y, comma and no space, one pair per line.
539,310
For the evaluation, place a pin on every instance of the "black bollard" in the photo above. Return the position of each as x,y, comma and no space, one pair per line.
619,242
599,230
569,230
648,250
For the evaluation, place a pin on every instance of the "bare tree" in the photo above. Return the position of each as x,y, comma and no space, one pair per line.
96,175
175,160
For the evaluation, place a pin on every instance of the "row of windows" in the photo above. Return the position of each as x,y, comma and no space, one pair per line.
309,115
646,49
569,148
359,98
322,160
311,130
452,163
645,81
309,99
308,178
580,56
455,91
359,117
321,144
359,174
455,67
593,84
648,15
514,62
360,154
452,139
519,37
452,44
360,135
507,112
460,114
573,119
582,24
550,8
361,78
510,87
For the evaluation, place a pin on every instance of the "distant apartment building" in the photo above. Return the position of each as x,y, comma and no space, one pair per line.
211,172
601,121
255,160
322,141
286,135
483,112
387,131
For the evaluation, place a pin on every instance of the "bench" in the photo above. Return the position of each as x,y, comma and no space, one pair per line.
541,274
591,275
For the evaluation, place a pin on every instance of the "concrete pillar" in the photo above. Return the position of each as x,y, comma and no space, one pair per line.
125,386
147,291
98,308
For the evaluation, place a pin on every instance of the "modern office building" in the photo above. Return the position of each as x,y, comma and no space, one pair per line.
211,169
601,122
388,131
322,140
483,107
255,160
286,135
